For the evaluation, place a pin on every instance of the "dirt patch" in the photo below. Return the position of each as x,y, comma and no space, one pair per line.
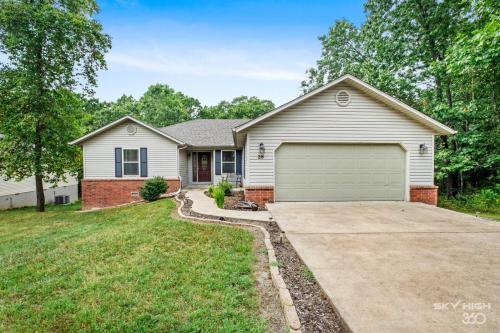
314,309
270,305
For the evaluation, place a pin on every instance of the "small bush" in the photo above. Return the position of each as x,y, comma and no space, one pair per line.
153,188
218,195
211,189
225,186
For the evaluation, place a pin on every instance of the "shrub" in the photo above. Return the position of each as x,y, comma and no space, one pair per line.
153,188
225,186
218,195
211,189
483,201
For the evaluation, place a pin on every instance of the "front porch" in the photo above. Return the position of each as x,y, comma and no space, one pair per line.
209,166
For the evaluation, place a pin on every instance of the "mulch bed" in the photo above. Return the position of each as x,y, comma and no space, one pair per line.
314,309
230,201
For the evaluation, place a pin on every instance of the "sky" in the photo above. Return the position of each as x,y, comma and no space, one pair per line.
216,50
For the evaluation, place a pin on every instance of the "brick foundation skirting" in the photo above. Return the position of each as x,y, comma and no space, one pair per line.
98,193
259,194
424,193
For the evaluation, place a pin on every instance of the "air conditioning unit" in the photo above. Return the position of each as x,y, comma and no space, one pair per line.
62,199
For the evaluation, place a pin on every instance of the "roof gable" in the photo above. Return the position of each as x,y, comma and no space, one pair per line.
370,90
120,121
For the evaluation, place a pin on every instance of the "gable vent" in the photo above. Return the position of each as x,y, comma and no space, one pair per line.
343,98
131,129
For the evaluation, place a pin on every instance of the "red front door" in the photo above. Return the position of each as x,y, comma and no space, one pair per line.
204,167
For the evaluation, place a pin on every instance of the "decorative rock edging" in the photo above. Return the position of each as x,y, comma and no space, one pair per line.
291,317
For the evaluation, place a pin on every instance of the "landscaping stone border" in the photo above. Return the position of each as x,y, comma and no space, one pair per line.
289,310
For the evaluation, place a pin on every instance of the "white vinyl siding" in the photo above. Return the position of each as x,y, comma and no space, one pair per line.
183,167
99,152
20,194
320,119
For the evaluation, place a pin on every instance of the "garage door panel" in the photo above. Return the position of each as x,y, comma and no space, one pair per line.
339,172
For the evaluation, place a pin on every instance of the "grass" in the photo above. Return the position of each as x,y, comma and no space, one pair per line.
470,204
308,275
130,269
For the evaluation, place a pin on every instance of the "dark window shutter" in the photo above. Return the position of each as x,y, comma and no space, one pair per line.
118,162
239,159
217,162
144,162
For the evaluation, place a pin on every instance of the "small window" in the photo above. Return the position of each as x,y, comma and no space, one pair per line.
131,162
228,161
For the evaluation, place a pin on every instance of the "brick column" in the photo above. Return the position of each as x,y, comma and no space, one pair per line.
98,193
259,194
427,194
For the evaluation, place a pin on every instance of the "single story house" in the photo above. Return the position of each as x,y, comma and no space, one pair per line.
14,194
345,141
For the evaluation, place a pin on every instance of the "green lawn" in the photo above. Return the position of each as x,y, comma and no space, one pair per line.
130,269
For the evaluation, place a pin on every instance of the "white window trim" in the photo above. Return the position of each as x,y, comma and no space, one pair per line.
222,162
138,163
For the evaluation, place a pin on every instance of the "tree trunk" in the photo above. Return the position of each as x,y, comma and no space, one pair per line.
40,196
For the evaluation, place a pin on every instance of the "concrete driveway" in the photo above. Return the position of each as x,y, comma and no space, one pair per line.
400,267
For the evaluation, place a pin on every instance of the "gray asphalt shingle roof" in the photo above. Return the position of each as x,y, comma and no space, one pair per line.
205,132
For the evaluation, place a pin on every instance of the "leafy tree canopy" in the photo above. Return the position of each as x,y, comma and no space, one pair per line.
242,107
52,48
162,106
438,56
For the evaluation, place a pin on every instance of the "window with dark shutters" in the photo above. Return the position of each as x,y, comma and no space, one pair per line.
144,162
217,162
239,164
118,162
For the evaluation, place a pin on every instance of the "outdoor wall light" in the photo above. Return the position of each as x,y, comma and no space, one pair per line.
423,148
262,150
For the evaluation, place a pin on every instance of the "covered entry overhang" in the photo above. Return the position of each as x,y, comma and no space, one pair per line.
208,165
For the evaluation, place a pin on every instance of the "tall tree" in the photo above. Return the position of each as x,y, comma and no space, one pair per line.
438,56
103,113
53,47
162,106
242,107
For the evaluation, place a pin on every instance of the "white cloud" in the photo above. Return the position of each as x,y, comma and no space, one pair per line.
208,63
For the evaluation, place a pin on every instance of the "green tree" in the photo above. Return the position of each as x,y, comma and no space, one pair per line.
100,114
162,106
242,107
347,49
53,47
438,56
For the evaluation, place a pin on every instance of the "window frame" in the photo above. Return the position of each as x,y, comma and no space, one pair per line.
222,161
138,162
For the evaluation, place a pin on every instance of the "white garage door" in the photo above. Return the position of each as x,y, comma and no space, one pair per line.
339,172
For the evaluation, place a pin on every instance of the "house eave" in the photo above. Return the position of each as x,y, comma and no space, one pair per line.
418,116
98,131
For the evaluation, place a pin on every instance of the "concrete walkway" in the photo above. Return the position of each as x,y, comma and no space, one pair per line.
398,266
205,205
